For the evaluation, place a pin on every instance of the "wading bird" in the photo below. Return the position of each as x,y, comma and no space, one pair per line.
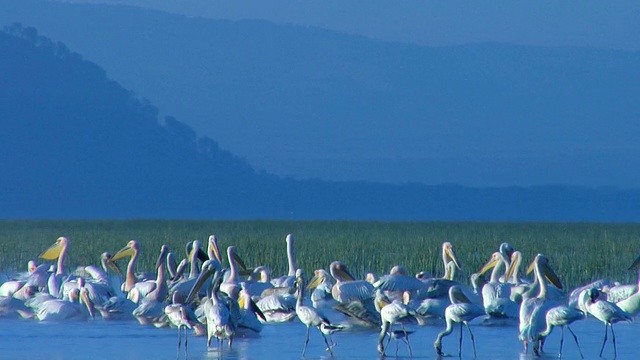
607,312
308,315
562,316
220,322
460,311
533,309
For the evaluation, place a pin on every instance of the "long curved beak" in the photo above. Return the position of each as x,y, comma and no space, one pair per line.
204,275
52,253
114,266
345,274
124,252
511,270
452,255
636,262
531,267
314,282
84,299
213,246
551,276
239,261
490,264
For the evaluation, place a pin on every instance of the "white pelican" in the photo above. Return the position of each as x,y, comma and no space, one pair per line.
258,281
398,281
151,307
533,310
213,251
231,285
57,251
605,311
278,308
347,288
35,279
631,304
519,285
13,307
450,261
496,295
309,316
460,311
78,307
355,298
183,285
563,316
289,279
391,313
220,322
251,317
136,290
321,293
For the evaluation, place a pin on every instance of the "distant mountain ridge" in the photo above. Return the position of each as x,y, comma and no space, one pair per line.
76,144
303,102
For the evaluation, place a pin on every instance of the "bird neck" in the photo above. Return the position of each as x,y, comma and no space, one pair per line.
60,266
291,259
131,279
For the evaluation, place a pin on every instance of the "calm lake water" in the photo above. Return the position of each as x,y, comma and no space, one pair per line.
99,339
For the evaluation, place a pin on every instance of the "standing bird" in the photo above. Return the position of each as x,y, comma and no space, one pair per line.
460,311
563,316
309,315
391,313
533,309
605,311
183,318
220,323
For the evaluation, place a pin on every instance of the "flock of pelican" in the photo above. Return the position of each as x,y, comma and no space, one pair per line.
202,296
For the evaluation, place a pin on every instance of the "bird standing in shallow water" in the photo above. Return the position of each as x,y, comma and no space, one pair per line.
607,312
563,316
309,315
460,311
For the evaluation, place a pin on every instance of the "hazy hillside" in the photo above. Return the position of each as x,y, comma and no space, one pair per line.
76,144
593,23
311,103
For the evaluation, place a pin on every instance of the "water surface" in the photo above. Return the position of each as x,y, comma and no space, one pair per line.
99,339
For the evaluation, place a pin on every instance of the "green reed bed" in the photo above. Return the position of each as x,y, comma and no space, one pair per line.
578,252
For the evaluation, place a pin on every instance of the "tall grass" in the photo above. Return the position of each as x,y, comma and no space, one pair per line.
578,252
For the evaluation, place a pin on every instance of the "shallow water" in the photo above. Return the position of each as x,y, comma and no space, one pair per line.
99,339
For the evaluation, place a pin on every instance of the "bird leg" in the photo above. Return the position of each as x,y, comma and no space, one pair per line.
409,346
576,339
179,341
326,342
304,350
473,341
406,339
561,340
460,348
605,338
186,334
613,337
383,332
